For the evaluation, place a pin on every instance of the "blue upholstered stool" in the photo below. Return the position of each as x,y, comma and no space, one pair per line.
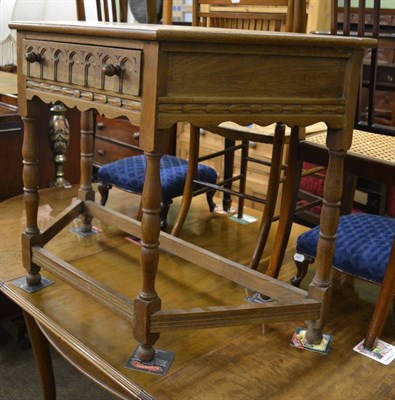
363,245
129,174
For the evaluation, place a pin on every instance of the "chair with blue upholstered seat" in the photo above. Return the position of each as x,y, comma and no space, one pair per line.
363,243
363,248
129,174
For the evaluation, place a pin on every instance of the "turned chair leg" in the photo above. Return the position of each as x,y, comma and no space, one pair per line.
210,200
229,157
140,212
302,267
103,189
164,210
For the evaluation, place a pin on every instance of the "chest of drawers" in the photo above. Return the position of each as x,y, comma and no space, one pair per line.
115,139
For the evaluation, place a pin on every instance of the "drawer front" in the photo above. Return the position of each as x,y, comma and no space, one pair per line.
101,68
117,130
106,152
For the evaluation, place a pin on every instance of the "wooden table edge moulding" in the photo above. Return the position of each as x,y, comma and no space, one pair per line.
157,76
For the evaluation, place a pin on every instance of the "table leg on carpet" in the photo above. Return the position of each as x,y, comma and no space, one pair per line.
42,355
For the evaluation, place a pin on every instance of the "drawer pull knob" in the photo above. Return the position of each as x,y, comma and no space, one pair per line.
111,70
101,152
136,135
390,78
100,125
252,145
32,57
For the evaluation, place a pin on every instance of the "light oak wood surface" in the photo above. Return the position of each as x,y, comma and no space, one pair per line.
246,362
76,63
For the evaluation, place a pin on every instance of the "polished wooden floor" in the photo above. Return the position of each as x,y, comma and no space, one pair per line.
248,362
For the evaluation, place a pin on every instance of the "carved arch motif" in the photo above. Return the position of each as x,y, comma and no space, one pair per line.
60,66
89,70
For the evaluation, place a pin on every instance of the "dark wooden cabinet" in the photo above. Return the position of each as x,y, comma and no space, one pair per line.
10,144
11,139
115,139
384,98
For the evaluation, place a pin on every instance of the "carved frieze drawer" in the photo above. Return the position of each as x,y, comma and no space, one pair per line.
93,67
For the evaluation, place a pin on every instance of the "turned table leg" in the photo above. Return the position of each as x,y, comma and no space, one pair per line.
31,234
320,288
43,358
86,191
148,302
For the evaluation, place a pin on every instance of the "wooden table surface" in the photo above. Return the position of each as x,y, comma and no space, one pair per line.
74,321
157,76
222,363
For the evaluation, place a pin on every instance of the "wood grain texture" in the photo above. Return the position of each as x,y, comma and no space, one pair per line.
166,100
221,363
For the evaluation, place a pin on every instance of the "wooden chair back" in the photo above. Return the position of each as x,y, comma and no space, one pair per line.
262,15
363,21
107,10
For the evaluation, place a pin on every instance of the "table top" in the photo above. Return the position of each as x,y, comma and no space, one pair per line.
188,33
222,363
72,316
71,63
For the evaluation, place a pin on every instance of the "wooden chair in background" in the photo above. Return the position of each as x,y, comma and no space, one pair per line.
308,151
362,22
263,15
108,10
365,243
363,250
129,173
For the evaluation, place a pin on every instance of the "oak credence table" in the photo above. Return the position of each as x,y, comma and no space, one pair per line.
157,76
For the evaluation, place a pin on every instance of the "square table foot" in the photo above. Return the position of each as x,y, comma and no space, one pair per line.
299,341
22,284
158,366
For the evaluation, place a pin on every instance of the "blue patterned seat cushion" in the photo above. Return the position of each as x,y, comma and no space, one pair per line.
129,174
363,245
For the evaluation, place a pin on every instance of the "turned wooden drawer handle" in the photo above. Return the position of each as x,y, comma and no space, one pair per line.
111,70
33,57
101,152
100,125
136,135
252,145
